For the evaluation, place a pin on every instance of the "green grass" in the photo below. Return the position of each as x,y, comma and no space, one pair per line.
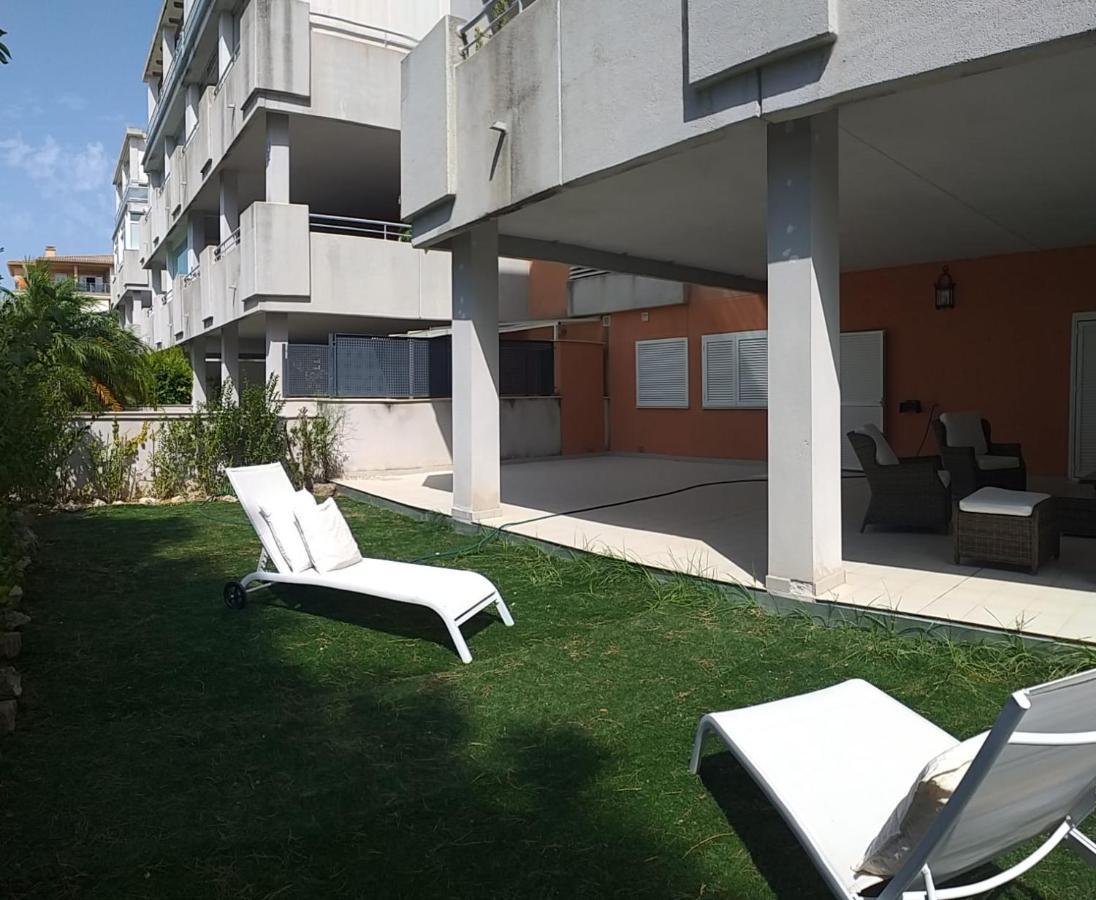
317,744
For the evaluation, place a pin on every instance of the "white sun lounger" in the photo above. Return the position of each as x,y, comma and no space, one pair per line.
835,763
455,595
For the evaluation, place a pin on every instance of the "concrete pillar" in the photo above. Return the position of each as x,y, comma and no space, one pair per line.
153,95
277,336
169,151
226,42
195,241
277,158
476,451
230,356
199,389
230,207
804,358
167,47
193,101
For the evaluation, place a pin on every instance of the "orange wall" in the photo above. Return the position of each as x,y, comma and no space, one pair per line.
548,290
735,433
1003,350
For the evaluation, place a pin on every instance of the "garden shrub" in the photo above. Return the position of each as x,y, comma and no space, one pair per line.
112,466
172,377
193,452
315,441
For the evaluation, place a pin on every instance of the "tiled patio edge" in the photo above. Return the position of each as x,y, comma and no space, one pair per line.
828,613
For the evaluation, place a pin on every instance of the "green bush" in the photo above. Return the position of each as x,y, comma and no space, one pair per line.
192,453
315,441
172,377
111,472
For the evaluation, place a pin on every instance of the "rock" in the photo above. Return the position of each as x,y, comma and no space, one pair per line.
118,503
323,491
12,619
11,683
148,501
16,593
72,506
7,716
178,498
228,498
98,501
11,642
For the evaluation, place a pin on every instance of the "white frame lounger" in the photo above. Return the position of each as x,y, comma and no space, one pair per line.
455,595
836,762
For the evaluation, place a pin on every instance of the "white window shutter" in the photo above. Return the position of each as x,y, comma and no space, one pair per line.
862,368
720,364
753,369
662,373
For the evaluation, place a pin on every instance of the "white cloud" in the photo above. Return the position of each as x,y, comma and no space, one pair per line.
72,101
58,170
73,183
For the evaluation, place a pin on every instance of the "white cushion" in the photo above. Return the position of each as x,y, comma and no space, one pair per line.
884,455
995,463
330,544
997,501
282,521
911,819
965,430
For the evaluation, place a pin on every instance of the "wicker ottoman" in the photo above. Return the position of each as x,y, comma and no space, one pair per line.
1009,528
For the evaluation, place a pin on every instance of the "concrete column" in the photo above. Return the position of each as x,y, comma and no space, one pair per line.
230,356
226,42
277,336
169,150
153,95
193,101
167,47
195,241
804,358
230,208
476,451
199,389
277,158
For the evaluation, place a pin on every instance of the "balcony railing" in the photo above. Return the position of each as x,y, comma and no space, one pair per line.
229,243
193,275
91,287
488,22
374,228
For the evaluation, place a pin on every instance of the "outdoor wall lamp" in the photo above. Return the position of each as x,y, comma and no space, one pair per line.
945,290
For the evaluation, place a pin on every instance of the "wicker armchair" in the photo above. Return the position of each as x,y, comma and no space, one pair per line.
969,472
910,494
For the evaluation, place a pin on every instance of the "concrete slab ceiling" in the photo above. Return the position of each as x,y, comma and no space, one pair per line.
996,162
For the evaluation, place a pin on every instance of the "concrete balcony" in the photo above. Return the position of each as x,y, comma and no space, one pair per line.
190,294
273,253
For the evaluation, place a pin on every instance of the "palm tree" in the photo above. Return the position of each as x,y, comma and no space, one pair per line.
88,356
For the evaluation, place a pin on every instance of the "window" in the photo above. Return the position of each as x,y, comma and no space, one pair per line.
133,224
662,373
735,370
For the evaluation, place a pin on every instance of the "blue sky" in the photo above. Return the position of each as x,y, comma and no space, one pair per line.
73,84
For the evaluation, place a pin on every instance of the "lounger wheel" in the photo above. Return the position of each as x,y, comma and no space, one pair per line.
235,595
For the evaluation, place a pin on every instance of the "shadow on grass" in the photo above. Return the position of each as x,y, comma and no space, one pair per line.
188,752
375,613
774,848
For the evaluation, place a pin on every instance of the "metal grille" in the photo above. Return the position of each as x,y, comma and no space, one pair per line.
307,371
394,367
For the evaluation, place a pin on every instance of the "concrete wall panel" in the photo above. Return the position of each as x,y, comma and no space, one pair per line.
355,81
729,37
615,292
428,145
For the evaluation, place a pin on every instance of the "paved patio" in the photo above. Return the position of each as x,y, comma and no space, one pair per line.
720,532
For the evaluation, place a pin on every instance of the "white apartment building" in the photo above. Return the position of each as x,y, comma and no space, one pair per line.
273,159
130,294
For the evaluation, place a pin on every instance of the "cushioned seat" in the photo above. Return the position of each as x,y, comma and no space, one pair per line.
1000,502
997,463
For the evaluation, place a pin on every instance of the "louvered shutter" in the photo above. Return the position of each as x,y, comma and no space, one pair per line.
662,373
862,387
720,365
753,369
1084,411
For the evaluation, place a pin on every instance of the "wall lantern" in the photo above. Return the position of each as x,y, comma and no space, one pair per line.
945,290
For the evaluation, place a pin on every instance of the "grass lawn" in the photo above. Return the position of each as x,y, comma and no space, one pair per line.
317,745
